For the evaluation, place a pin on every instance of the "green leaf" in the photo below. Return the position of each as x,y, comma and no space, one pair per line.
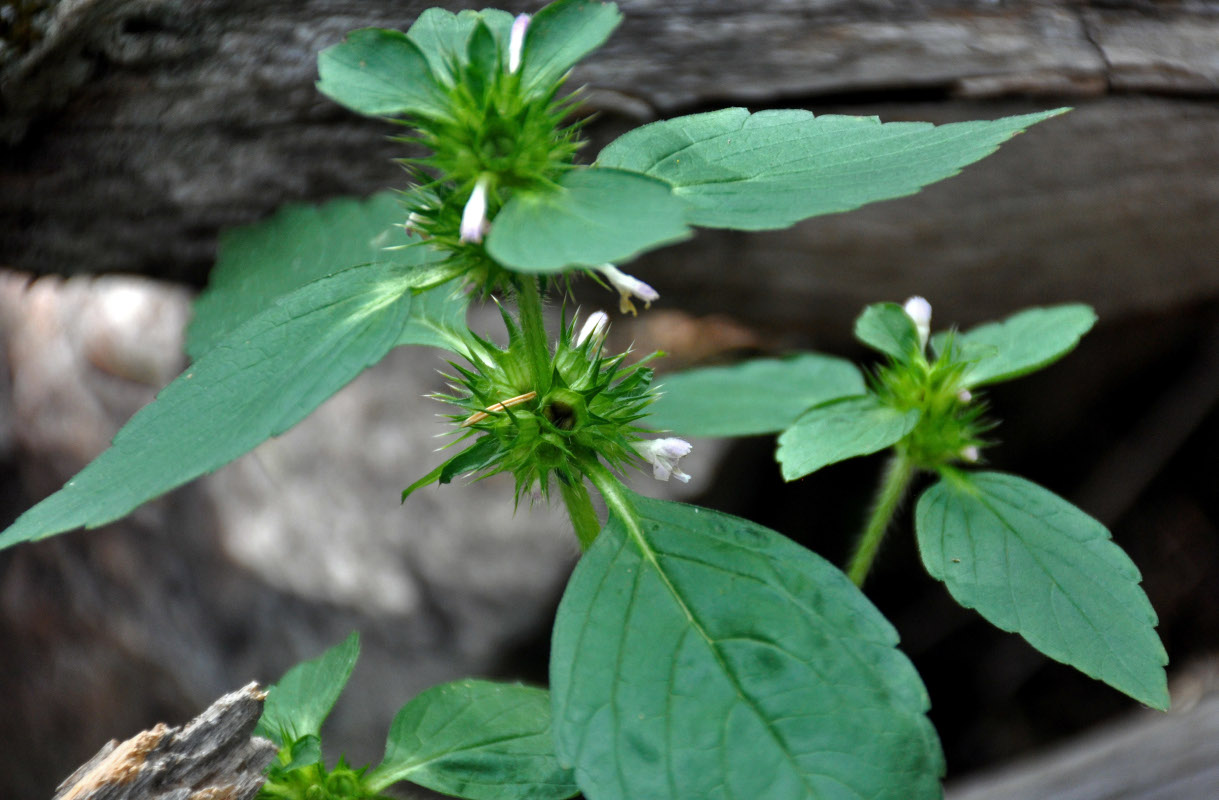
888,328
698,655
560,35
262,379
755,397
838,430
260,263
302,699
438,319
774,168
443,37
1032,563
380,73
478,740
1020,344
598,216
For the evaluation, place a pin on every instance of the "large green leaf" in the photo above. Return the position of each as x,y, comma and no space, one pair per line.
1032,563
838,430
476,739
443,37
561,34
887,327
260,263
1020,344
760,396
774,168
597,216
260,380
698,655
380,73
301,701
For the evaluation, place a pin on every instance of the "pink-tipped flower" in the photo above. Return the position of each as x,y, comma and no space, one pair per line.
919,310
474,217
595,328
628,287
663,455
516,42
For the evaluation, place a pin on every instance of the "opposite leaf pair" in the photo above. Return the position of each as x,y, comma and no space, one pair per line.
1025,559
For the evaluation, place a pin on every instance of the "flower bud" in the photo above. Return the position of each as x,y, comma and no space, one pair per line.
970,453
474,217
919,310
595,328
516,42
964,396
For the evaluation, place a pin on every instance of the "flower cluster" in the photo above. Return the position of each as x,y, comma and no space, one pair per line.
586,407
953,422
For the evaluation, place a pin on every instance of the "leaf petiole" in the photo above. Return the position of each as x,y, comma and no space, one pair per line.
893,486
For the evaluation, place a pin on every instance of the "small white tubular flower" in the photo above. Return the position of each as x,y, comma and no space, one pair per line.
919,310
663,455
474,217
516,42
595,328
628,287
964,396
970,453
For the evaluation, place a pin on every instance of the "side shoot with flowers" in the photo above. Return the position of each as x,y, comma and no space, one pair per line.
695,654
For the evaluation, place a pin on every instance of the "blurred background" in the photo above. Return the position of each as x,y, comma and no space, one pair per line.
133,131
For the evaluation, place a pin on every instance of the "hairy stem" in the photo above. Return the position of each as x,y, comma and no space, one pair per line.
583,515
533,326
889,496
614,494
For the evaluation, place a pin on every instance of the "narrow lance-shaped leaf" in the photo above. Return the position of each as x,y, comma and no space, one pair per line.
886,327
478,740
698,655
262,379
841,429
258,264
765,395
300,702
596,216
1032,563
1020,344
774,168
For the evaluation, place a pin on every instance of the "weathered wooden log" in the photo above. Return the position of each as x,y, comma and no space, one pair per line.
215,757
168,121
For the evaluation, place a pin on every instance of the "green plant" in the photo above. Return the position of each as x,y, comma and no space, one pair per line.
695,654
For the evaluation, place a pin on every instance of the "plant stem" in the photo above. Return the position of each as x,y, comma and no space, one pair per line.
613,492
893,486
583,515
533,326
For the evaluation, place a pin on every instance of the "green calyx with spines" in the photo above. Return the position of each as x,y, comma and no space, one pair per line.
586,405
493,131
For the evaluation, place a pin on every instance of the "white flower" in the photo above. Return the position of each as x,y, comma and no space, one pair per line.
919,310
964,396
595,328
474,217
628,287
516,42
663,455
970,453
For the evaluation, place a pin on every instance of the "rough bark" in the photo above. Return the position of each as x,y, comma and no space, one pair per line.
215,757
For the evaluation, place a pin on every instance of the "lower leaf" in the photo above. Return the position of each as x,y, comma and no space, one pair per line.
1032,563
698,655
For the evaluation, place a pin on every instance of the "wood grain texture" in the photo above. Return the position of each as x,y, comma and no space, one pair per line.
215,757
138,128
